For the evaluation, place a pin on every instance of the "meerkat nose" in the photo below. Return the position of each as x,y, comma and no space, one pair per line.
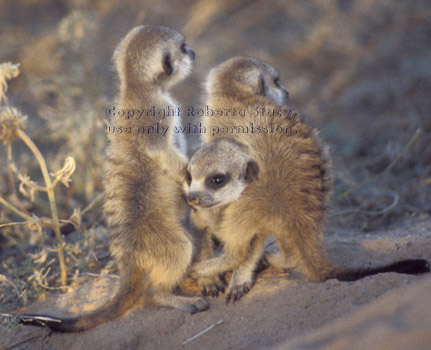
191,53
192,198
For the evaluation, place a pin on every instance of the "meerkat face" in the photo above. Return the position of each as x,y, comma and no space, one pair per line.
218,173
152,55
246,77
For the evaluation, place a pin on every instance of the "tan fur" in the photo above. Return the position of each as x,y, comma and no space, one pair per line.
272,184
144,207
290,195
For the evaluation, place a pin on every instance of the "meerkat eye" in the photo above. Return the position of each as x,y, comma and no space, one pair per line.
188,178
217,181
277,81
167,65
183,48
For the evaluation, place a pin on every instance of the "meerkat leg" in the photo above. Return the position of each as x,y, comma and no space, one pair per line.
211,285
243,276
214,266
284,259
237,243
163,279
303,248
234,254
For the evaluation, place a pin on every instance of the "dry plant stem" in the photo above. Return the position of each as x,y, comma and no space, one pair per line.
413,139
23,178
15,210
50,190
11,179
203,332
44,222
93,203
7,281
423,183
372,213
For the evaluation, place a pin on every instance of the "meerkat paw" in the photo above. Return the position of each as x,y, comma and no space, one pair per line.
236,292
191,305
211,285
239,285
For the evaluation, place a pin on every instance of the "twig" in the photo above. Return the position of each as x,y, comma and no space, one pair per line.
23,136
416,186
372,213
99,274
6,280
93,203
412,140
15,210
16,223
203,332
42,275
12,180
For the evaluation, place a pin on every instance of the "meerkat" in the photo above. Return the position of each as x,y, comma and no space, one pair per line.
144,207
247,184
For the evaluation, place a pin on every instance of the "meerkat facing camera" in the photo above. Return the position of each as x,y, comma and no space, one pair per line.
265,174
144,207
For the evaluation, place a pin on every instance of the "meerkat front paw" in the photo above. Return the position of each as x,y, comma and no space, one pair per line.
239,285
211,286
238,291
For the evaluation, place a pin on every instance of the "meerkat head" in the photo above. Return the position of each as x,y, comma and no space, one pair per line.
218,173
152,55
244,77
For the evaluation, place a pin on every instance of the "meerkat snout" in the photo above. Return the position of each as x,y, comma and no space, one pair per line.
192,199
218,173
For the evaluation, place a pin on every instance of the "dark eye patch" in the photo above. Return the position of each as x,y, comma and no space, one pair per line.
183,48
188,178
277,81
167,64
217,181
262,86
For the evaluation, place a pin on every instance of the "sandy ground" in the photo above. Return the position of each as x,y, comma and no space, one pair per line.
282,310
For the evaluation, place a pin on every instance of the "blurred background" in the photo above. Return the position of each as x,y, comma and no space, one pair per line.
358,70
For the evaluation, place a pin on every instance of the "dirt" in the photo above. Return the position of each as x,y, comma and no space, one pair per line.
280,308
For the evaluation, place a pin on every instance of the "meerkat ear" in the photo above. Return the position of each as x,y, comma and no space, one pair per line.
167,64
251,171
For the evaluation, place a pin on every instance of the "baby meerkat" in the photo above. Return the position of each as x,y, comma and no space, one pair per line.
144,206
265,174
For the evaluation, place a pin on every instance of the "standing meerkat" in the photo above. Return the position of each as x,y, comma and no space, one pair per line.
261,174
144,175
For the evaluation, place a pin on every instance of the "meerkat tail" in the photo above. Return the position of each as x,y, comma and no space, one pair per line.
409,267
126,297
